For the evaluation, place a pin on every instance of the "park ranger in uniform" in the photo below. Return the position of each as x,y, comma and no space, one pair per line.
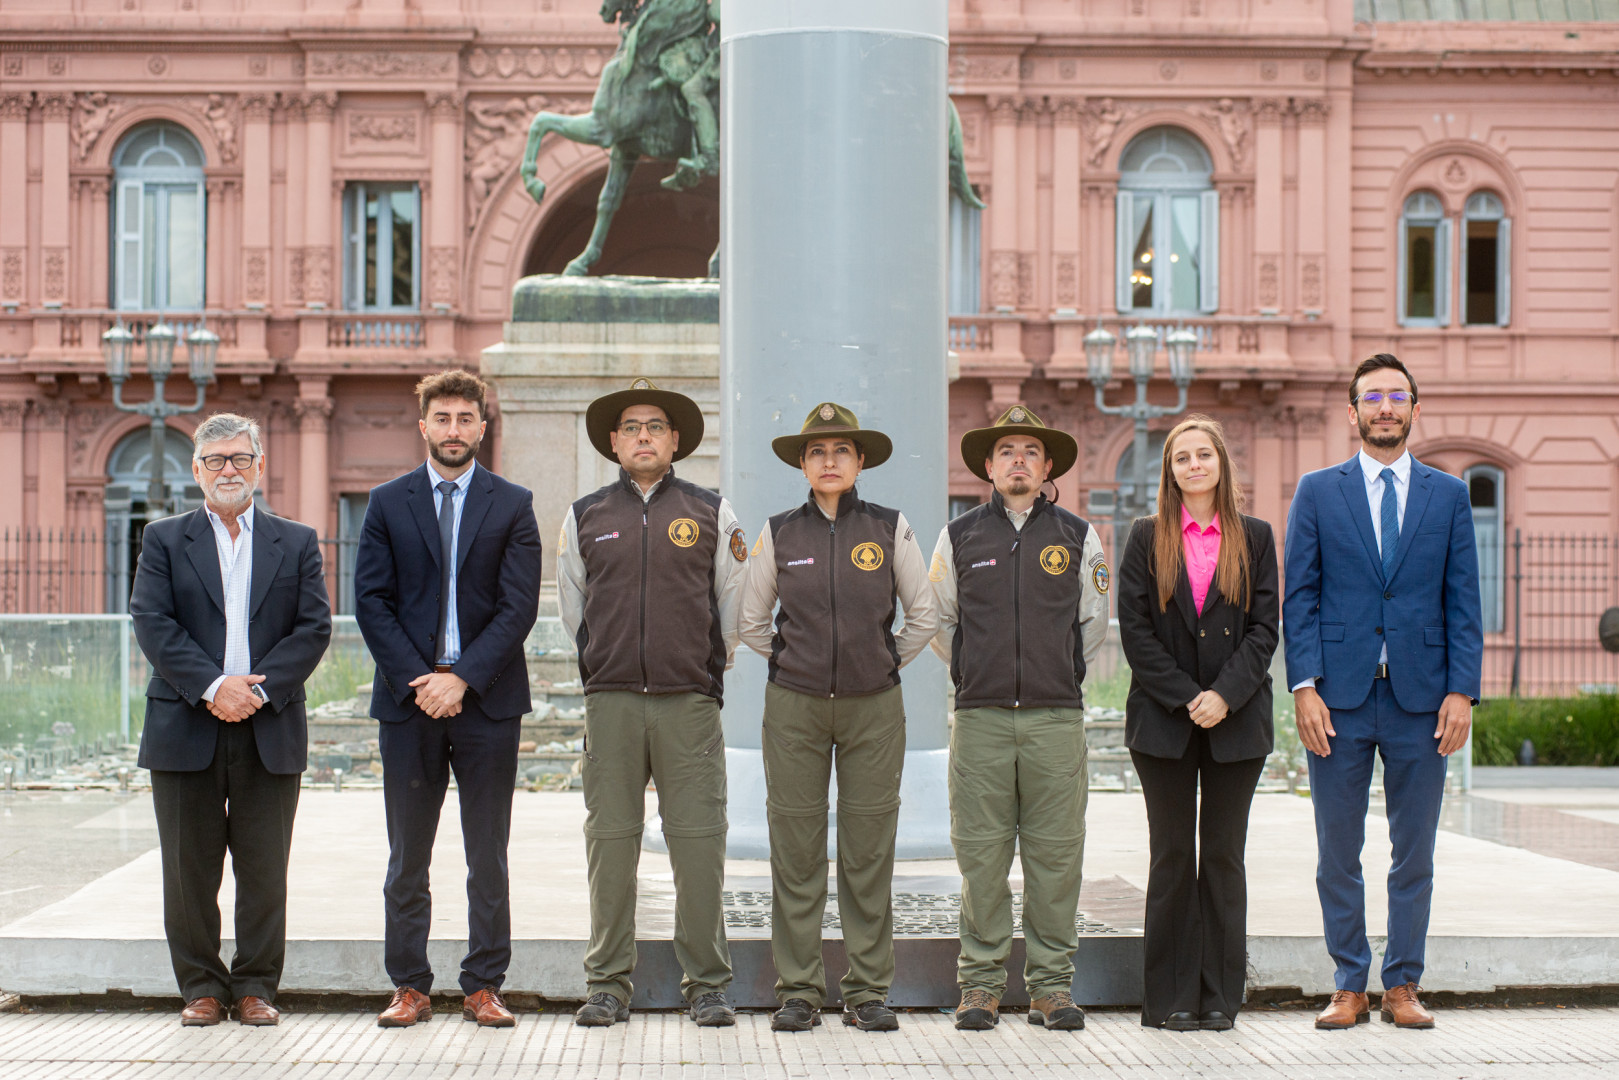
649,572
837,564
1022,592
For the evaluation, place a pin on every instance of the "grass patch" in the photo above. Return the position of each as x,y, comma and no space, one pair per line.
1565,731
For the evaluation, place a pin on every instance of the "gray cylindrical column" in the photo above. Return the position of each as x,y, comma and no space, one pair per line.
832,287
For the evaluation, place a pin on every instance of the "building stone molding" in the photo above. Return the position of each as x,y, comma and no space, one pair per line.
14,104
381,64
580,62
56,105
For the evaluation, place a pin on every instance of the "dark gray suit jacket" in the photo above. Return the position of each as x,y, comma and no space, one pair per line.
178,606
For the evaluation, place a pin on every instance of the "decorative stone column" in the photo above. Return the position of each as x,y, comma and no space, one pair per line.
1003,203
12,411
319,291
443,233
313,411
297,197
256,165
56,108
1268,113
14,105
1312,201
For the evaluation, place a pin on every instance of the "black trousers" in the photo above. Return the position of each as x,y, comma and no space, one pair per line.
235,804
418,756
1196,939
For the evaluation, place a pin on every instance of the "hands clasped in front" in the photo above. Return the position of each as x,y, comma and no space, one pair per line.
1207,709
439,693
235,700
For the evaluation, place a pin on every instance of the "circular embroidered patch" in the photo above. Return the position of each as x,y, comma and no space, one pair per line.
828,412
1017,416
867,556
739,546
683,532
1054,559
1099,577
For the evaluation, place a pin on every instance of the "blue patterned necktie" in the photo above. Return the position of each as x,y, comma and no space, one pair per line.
1391,522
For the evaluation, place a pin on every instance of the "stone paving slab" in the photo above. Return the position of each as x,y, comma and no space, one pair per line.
1536,1043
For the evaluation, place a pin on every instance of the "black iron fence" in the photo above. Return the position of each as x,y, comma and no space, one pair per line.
1556,586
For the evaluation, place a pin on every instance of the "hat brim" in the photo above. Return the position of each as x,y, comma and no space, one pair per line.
977,444
877,446
601,417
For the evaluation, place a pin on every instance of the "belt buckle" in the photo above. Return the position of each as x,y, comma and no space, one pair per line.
1382,672
440,669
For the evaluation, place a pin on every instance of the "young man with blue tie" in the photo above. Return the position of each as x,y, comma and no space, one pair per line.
1384,648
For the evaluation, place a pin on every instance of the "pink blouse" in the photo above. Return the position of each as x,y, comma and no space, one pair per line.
1202,555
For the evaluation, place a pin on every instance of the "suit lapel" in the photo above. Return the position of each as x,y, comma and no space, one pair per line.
267,556
421,507
203,551
472,514
1183,599
1352,484
1416,504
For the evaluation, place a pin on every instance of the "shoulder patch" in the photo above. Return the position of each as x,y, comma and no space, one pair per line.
1099,576
562,541
909,532
758,545
739,545
937,570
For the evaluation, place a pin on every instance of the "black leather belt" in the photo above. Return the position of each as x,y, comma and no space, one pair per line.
1382,672
439,669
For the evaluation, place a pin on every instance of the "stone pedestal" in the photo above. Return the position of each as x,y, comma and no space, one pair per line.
571,340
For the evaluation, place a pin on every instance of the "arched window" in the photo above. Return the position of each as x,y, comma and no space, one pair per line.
159,220
1424,262
1486,489
1167,247
124,500
1486,261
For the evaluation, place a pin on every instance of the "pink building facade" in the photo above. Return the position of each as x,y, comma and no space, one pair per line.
332,183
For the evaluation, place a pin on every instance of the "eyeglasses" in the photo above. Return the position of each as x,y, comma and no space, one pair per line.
632,428
215,462
1398,398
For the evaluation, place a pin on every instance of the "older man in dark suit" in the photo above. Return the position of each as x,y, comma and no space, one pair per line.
230,608
446,589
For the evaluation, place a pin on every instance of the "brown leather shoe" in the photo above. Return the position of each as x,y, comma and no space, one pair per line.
409,1006
1402,1009
256,1012
1345,1010
979,1010
1056,1012
487,1009
203,1012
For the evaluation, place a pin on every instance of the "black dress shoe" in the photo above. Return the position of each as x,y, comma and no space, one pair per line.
1215,1020
1182,1021
795,1014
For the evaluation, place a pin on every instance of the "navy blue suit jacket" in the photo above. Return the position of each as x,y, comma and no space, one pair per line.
1338,610
178,607
396,588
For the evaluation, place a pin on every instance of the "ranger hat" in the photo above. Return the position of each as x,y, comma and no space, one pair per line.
601,418
828,420
977,444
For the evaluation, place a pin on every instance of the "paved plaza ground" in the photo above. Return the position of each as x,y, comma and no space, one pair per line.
1556,1044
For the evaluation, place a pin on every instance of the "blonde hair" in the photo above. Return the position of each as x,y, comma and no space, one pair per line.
1233,576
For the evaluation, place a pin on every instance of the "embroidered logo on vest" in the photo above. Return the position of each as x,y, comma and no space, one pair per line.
1054,559
683,532
867,556
1099,577
739,546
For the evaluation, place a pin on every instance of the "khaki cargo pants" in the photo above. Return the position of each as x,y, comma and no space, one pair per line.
676,740
1018,778
800,734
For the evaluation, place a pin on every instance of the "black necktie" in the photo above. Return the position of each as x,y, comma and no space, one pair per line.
446,562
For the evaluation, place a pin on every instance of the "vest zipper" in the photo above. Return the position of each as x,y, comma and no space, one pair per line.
1017,625
832,576
643,598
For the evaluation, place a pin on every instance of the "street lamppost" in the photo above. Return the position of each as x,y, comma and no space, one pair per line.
202,349
1141,345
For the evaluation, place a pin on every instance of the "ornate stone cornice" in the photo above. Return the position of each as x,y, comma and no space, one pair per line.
1003,108
56,104
446,104
14,104
1312,110
320,105
257,106
1066,110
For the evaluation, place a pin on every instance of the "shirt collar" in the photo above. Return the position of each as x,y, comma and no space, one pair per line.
244,519
463,481
1372,468
1189,522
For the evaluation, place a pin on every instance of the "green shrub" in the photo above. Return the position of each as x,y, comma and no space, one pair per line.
1565,731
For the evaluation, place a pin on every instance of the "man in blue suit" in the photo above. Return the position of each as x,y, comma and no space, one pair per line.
446,589
1384,647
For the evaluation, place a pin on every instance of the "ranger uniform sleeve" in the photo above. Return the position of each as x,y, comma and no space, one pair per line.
570,577
915,593
730,572
942,575
1093,596
754,627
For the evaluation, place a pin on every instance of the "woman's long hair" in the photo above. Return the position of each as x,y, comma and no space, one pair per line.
1232,574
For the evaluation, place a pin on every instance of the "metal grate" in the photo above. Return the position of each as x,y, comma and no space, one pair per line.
915,914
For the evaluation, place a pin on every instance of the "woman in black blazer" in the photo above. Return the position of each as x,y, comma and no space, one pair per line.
1198,620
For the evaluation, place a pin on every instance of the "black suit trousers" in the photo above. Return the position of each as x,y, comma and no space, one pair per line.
1196,939
235,804
418,755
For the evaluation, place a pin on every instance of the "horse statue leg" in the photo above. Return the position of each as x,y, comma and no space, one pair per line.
620,165
579,129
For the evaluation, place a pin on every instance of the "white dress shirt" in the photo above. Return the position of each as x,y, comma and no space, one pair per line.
236,575
450,648
1371,471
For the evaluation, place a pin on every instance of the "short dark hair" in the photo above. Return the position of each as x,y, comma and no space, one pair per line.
452,384
1377,362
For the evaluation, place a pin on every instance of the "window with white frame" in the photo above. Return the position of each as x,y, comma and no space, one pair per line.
1486,261
382,246
965,269
159,227
1167,247
1486,489
1424,261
